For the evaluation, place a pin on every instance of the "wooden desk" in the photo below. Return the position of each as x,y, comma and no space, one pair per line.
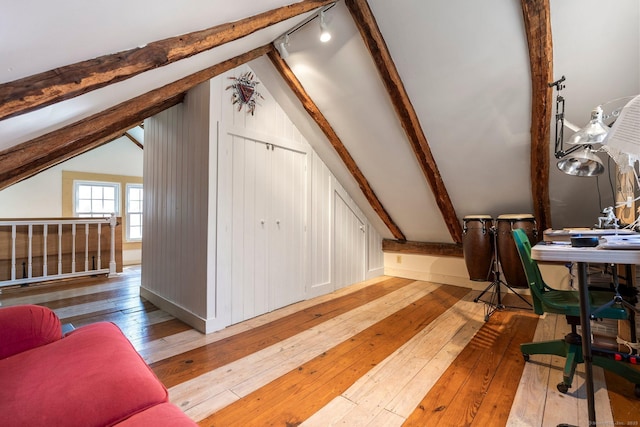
583,256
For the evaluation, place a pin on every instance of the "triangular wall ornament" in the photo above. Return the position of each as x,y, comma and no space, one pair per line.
244,91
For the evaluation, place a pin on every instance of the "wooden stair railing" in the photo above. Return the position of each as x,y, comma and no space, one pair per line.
37,250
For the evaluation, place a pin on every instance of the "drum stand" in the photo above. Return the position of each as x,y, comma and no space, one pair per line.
495,301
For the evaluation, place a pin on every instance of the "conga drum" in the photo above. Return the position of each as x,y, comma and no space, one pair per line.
507,252
477,245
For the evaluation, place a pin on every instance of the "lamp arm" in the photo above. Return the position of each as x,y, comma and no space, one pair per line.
559,151
559,135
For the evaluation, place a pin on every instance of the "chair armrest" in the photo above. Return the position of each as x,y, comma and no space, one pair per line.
27,326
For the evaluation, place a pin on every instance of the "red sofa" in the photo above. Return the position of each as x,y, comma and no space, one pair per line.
91,376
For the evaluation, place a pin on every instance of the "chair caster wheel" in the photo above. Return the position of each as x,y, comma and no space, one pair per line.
563,388
525,357
636,391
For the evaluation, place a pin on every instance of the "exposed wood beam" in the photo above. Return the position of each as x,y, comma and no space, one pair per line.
322,122
39,90
366,23
537,21
31,157
422,248
134,140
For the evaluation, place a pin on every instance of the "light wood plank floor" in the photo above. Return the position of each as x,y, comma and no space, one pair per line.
386,352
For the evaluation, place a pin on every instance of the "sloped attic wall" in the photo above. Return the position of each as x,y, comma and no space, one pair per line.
466,68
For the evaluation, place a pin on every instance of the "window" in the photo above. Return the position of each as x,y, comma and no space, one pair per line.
134,212
96,199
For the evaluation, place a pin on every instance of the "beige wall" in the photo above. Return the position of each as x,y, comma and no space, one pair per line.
453,271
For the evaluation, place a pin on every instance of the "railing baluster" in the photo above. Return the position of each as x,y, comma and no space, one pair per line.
60,249
73,248
86,247
112,261
13,252
30,255
45,259
99,246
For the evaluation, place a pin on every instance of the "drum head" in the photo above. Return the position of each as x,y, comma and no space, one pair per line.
515,217
478,217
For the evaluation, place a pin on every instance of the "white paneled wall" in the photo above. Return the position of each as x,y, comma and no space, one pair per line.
242,216
176,170
321,223
349,232
375,256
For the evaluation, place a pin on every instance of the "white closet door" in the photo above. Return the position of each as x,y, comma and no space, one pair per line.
288,213
249,269
349,241
268,228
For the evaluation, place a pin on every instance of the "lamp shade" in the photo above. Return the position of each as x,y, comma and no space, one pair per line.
594,132
581,163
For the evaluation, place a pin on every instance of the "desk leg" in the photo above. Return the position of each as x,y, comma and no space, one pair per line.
585,323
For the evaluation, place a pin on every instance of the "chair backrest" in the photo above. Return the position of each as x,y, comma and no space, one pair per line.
531,270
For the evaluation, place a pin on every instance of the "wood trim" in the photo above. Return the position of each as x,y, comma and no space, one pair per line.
29,158
322,122
368,27
537,21
422,248
134,140
39,90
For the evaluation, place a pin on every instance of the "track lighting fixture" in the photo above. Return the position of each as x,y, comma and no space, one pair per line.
325,35
284,53
282,42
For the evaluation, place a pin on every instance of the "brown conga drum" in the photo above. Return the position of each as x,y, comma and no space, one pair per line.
477,246
507,252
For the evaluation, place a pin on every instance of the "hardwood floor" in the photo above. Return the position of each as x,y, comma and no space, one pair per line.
385,352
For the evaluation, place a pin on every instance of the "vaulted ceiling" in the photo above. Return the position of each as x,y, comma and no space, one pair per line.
425,111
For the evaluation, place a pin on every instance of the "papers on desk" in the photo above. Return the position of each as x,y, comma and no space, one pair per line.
565,234
620,242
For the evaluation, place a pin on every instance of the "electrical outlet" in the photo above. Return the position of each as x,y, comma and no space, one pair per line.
399,259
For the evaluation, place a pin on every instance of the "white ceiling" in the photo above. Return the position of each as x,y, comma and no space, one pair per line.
464,64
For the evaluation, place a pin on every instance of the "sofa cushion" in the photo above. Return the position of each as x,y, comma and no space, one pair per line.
163,415
91,377
27,326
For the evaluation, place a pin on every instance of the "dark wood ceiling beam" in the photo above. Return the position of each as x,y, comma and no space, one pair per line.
322,122
537,21
368,27
29,158
39,90
134,140
422,248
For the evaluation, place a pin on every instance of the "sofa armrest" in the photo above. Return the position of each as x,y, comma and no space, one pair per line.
27,326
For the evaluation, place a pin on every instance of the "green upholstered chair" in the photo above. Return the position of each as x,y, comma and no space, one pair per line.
549,300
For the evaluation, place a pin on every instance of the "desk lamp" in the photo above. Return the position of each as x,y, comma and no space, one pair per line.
579,160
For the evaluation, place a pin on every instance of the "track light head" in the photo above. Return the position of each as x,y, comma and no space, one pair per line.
325,35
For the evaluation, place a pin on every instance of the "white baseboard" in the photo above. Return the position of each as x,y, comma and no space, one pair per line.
175,310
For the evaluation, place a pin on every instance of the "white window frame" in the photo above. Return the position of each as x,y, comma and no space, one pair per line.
129,213
76,197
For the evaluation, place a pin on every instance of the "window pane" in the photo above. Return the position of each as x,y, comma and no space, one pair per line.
96,192
134,220
84,206
109,193
84,192
135,233
109,206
